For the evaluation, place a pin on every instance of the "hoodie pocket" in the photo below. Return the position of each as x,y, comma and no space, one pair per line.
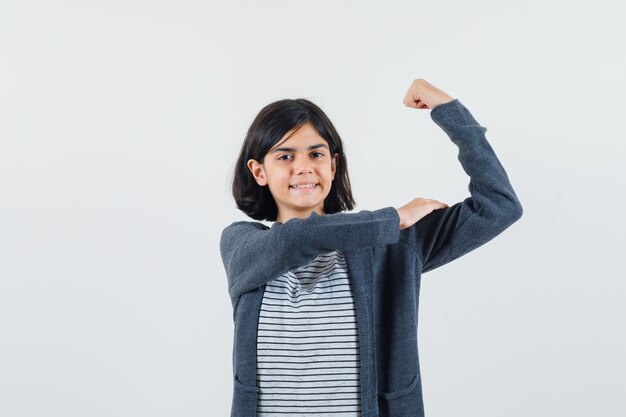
406,402
244,399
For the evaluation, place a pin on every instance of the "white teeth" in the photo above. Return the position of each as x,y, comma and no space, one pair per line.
304,186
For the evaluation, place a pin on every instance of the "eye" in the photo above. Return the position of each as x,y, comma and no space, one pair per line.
318,153
280,158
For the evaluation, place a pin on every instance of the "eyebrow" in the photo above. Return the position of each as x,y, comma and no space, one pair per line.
319,145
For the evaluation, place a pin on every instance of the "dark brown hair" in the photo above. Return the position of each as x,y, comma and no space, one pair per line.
269,126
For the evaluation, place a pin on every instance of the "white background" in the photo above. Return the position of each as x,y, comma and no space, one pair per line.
121,121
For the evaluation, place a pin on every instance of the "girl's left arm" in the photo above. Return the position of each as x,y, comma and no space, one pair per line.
446,234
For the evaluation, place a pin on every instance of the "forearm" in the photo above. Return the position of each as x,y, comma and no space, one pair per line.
253,256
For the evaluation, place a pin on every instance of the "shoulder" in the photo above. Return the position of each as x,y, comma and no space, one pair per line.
236,232
247,224
243,226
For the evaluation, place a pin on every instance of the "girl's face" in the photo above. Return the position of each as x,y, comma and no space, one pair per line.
301,157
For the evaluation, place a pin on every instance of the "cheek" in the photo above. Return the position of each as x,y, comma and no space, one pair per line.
282,181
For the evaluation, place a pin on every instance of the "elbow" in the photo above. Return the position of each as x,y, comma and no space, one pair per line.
233,292
503,213
510,213
235,289
517,210
520,211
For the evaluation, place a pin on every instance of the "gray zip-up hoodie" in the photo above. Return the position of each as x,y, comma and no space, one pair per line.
385,266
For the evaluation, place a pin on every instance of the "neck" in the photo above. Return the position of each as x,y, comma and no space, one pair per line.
283,217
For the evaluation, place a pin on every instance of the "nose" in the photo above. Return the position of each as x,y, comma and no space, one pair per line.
303,165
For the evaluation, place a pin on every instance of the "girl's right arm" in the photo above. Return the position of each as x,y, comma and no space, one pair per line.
253,255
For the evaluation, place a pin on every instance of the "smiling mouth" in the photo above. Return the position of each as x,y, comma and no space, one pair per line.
307,188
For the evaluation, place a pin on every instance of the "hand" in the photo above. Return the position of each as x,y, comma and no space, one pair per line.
424,95
417,208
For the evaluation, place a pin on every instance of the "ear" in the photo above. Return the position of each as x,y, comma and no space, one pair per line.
258,171
334,161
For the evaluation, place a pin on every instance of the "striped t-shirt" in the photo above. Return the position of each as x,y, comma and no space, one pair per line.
308,360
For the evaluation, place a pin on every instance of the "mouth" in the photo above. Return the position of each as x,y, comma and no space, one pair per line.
305,187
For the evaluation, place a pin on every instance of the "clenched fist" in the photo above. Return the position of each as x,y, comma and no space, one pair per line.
424,95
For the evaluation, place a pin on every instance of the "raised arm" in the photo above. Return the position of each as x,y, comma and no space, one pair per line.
448,233
254,254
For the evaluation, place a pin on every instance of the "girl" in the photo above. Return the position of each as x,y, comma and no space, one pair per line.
325,303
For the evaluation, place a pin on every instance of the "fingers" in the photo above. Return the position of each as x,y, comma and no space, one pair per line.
415,103
439,203
421,105
424,95
410,101
419,202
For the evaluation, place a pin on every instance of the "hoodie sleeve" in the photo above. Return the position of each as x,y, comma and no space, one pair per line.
446,234
253,254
